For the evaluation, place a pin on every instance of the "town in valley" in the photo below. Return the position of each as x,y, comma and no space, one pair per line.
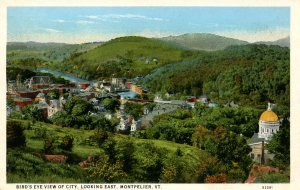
194,107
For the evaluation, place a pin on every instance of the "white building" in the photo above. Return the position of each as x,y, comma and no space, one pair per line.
268,126
123,124
54,107
133,126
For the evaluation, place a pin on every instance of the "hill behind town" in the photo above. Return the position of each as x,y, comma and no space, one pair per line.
202,41
122,57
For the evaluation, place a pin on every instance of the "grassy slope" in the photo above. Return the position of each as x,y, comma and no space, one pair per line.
82,150
137,49
80,135
139,45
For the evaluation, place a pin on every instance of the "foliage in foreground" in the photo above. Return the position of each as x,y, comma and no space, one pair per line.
128,161
124,159
273,178
280,146
24,166
14,134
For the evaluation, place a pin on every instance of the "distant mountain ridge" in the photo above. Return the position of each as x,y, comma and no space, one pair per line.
50,51
127,56
283,42
193,41
40,46
202,41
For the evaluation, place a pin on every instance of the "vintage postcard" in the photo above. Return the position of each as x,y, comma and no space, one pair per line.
149,95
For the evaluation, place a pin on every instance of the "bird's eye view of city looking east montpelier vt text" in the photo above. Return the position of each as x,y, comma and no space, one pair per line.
143,95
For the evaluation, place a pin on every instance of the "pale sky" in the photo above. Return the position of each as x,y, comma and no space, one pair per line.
86,24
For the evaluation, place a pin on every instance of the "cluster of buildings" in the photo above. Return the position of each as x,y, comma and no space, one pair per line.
127,122
35,90
117,85
48,107
27,93
188,103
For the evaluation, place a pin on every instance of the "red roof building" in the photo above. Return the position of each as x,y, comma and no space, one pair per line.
23,102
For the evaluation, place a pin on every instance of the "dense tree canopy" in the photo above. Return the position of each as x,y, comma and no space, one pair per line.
134,109
249,74
32,113
231,149
74,114
13,72
110,104
280,145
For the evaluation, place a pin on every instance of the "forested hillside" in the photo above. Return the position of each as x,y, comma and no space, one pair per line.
248,74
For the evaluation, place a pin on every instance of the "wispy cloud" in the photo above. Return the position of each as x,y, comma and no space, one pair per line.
109,17
92,17
85,22
59,20
51,30
62,21
132,16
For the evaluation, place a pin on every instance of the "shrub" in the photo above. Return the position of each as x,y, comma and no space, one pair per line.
100,136
168,175
106,171
48,145
40,132
15,134
67,143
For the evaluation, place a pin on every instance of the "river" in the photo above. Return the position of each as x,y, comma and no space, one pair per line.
66,76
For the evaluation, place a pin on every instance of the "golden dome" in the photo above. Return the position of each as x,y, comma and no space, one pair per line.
269,116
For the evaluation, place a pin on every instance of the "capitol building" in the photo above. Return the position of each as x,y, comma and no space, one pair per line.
268,126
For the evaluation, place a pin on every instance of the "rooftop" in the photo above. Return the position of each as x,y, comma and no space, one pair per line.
40,80
255,139
269,116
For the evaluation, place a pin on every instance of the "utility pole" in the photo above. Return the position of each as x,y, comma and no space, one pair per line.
263,153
